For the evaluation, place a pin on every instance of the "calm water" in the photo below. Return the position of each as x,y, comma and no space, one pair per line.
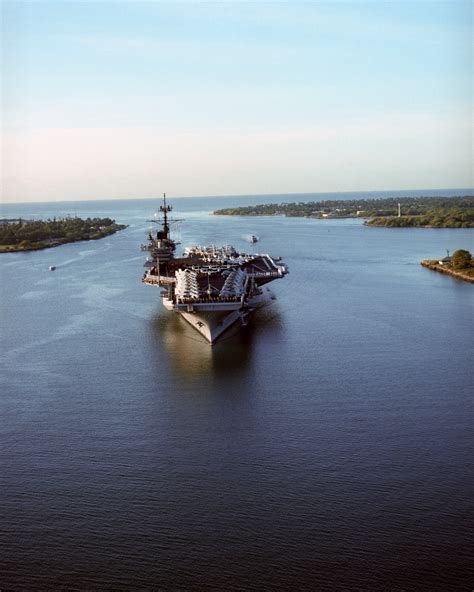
325,446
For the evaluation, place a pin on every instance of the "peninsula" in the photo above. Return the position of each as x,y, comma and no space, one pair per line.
460,265
32,235
431,212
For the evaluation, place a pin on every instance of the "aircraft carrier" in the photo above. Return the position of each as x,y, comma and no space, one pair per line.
211,287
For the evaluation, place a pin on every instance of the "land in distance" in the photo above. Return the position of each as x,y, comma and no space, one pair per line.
32,235
428,212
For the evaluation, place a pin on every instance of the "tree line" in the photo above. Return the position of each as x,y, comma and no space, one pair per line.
39,234
453,212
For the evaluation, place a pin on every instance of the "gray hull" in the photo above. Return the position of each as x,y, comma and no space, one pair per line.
211,324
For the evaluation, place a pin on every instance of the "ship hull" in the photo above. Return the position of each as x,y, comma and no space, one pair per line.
211,325
213,322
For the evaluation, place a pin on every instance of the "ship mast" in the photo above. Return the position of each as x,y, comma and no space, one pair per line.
165,209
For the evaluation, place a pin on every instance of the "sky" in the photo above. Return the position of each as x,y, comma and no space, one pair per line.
128,99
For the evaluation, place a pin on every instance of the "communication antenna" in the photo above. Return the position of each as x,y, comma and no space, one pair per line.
165,209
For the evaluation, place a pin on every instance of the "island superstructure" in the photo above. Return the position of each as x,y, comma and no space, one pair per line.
211,287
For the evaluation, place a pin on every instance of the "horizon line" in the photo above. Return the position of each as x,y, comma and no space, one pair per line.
463,189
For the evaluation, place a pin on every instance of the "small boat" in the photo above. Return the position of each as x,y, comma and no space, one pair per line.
52,267
253,238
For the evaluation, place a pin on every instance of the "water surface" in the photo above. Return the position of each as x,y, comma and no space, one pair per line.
325,446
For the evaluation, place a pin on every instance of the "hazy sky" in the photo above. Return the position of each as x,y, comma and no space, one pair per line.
130,99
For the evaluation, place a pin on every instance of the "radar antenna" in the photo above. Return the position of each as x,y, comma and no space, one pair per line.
165,209
166,223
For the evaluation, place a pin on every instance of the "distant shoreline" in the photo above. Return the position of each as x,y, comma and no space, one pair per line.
424,191
19,236
392,212
52,245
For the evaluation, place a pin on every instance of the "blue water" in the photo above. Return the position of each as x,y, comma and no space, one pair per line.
325,446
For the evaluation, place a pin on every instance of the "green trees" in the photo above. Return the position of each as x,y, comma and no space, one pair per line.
437,212
38,234
461,259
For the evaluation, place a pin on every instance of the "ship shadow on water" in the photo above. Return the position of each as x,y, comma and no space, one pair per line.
192,357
